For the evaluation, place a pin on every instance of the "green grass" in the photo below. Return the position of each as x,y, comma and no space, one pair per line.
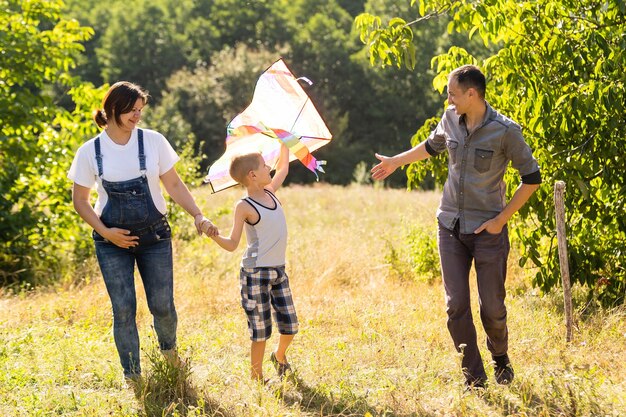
373,336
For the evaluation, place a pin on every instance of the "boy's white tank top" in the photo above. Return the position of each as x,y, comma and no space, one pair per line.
267,238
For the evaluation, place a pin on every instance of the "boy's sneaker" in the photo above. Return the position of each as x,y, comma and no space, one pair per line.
503,369
281,368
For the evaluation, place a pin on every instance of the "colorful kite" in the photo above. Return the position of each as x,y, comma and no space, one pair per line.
280,111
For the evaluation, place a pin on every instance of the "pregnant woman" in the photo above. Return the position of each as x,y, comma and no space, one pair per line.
126,165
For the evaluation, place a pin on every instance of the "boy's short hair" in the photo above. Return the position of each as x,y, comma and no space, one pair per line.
240,165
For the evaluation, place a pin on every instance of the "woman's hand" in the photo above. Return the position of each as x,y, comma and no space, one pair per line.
209,228
204,225
179,192
120,237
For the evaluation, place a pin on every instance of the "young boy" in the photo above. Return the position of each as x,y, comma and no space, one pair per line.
262,275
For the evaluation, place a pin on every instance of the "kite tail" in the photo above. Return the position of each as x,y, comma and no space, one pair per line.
302,153
318,167
289,139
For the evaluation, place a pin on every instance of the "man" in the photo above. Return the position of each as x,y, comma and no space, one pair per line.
473,213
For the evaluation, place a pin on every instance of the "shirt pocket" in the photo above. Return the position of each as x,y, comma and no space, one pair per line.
482,160
452,146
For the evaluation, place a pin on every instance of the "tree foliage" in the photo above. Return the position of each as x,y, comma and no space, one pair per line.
559,73
142,44
37,51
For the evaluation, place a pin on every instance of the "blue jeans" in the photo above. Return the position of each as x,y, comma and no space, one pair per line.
156,269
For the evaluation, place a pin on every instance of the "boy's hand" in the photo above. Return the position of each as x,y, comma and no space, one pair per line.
208,228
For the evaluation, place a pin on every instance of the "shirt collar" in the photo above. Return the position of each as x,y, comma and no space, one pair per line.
490,114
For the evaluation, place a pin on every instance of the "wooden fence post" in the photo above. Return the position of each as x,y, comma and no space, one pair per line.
559,209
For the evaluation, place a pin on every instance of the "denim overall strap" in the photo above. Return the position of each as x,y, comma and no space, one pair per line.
98,156
142,155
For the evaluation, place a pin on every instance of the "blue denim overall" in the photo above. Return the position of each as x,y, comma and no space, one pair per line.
130,206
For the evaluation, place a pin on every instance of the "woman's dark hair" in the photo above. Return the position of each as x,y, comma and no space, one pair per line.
469,76
120,99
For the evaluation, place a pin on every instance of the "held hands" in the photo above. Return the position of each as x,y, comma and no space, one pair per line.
204,225
121,237
384,168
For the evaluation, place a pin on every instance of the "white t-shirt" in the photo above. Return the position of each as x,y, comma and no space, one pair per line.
121,163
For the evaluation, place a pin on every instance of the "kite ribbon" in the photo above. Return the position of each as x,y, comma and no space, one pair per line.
290,140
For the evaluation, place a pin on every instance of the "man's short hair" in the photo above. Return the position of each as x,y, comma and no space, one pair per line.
469,76
241,165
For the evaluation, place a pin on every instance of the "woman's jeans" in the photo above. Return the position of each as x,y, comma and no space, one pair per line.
156,269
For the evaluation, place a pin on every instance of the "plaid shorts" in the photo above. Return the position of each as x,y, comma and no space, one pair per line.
261,288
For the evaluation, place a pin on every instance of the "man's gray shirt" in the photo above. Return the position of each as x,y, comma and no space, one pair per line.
475,190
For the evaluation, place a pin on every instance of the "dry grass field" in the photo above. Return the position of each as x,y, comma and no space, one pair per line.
373,339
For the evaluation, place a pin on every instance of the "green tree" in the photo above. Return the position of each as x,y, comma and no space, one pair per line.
353,7
559,73
94,14
142,44
38,230
255,23
321,49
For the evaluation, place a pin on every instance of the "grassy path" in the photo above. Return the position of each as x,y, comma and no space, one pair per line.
373,337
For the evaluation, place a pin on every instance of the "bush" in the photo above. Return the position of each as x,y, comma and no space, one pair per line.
41,238
421,263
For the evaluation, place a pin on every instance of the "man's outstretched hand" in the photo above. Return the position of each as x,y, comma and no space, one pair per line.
384,168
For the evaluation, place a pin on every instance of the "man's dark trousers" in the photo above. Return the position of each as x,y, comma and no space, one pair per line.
489,253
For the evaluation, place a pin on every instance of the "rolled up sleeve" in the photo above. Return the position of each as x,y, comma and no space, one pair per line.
436,142
519,153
